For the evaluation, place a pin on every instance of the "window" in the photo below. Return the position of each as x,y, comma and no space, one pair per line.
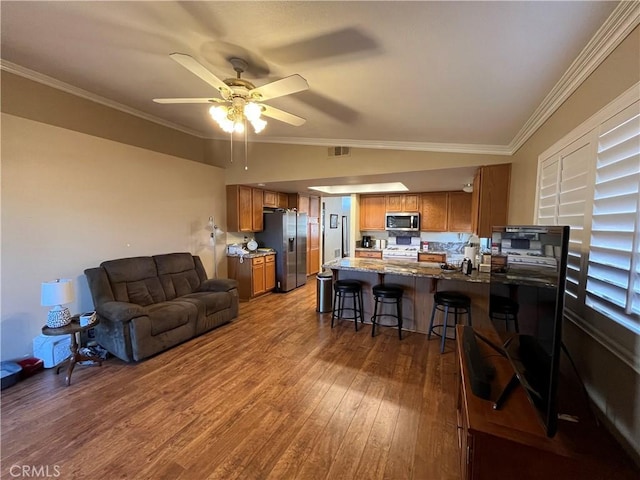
613,275
590,180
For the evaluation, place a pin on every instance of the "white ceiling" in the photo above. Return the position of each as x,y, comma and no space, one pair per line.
460,75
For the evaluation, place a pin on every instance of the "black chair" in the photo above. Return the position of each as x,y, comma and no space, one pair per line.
343,290
504,309
444,302
387,293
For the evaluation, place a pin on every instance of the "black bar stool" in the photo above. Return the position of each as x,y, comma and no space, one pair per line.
351,289
387,293
504,308
443,301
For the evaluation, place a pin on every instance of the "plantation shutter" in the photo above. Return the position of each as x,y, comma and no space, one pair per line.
613,276
564,197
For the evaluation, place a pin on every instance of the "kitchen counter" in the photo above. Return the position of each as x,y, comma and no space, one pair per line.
404,268
251,254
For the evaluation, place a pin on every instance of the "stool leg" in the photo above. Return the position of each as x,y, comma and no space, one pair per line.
469,314
399,309
373,318
335,305
355,298
444,328
515,323
361,307
433,314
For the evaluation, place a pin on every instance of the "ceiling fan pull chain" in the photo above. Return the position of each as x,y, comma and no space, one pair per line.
246,155
231,142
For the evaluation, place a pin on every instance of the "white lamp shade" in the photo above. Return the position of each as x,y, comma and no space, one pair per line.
57,292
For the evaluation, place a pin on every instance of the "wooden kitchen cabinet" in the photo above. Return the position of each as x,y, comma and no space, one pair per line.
364,254
256,276
432,257
270,199
405,202
433,212
270,272
372,212
490,198
445,212
283,200
309,204
244,208
459,212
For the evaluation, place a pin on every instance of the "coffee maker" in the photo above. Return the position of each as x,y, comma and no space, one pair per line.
366,241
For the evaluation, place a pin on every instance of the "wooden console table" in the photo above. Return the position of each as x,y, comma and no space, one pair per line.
511,442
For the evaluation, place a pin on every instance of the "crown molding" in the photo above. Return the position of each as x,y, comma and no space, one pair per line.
388,145
79,92
620,23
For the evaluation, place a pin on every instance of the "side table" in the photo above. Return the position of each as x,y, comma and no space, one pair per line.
75,357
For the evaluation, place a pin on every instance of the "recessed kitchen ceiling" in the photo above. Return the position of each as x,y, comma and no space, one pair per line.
385,74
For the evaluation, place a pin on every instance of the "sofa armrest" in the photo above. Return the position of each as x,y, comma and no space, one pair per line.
218,285
120,311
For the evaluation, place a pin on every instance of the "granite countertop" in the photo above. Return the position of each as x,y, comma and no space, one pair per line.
251,254
532,278
400,267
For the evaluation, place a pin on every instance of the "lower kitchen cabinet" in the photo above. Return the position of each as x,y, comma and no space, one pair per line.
366,254
255,275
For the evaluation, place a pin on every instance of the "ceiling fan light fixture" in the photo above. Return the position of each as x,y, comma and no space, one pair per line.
252,111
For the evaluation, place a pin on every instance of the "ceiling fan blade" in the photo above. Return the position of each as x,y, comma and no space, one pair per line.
188,100
279,88
283,116
199,70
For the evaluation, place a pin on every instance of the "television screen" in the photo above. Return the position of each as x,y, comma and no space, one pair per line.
528,273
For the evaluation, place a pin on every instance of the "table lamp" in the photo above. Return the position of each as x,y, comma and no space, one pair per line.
56,293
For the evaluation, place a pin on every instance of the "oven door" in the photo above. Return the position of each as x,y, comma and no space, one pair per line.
405,222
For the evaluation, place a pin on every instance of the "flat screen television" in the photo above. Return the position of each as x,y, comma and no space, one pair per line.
528,266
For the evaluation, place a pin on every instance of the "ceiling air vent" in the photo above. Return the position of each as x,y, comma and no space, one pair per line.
339,151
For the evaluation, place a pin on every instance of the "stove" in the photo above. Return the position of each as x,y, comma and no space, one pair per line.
402,248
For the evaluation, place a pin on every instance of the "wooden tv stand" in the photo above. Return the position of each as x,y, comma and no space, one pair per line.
511,442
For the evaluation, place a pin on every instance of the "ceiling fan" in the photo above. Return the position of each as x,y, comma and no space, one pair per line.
241,100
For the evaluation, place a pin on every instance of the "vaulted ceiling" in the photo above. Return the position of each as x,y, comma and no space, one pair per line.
464,76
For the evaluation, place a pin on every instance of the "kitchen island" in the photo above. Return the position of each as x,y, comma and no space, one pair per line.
420,281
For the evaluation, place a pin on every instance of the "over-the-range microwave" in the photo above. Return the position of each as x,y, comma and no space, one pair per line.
403,221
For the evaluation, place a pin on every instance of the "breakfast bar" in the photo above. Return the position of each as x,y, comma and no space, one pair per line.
420,281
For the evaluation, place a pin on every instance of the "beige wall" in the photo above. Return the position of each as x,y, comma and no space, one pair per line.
71,200
270,162
619,72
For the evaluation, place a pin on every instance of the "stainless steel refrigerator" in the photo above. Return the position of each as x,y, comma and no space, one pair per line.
286,233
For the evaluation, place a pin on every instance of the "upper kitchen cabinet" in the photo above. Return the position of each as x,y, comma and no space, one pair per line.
433,213
372,212
244,208
459,212
283,200
490,198
270,199
445,212
406,202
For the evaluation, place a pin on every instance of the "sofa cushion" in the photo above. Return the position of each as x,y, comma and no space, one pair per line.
166,316
213,302
177,274
135,280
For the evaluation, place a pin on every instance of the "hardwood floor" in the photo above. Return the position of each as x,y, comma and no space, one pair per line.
276,394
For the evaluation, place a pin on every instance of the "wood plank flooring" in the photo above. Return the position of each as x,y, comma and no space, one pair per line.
276,394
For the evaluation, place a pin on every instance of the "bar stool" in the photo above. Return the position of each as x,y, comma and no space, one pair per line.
504,308
347,289
387,293
443,301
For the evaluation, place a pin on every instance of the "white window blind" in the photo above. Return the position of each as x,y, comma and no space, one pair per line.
564,197
613,276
